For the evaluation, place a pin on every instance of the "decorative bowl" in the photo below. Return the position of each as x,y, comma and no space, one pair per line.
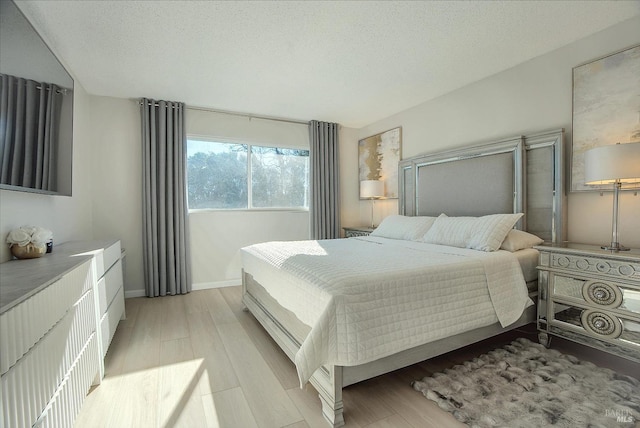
29,251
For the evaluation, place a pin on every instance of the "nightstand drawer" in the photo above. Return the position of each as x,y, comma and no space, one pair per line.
602,294
622,269
598,324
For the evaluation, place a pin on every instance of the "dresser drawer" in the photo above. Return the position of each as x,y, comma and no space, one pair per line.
109,285
109,321
69,397
23,325
107,258
29,385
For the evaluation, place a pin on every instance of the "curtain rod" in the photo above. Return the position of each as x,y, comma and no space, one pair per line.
232,113
250,116
61,89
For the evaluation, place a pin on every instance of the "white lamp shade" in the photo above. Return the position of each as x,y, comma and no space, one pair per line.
606,164
371,189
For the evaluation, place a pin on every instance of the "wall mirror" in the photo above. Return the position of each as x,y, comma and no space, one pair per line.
36,119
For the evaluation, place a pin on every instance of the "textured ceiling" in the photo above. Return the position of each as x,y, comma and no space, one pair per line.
348,62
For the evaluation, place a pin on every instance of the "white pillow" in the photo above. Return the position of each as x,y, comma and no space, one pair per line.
403,227
519,240
479,233
452,231
490,231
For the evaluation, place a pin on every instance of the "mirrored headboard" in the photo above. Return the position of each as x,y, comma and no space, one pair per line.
519,174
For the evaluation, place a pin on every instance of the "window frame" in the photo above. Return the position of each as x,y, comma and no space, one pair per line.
250,208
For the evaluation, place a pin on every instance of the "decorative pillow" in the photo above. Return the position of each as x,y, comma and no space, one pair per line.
403,227
452,231
519,240
479,233
490,231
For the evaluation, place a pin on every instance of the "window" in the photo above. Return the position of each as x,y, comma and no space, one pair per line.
216,175
223,175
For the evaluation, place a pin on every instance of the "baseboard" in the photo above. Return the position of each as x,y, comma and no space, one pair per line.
134,293
194,287
215,284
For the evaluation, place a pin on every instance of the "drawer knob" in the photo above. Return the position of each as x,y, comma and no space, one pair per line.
601,324
602,294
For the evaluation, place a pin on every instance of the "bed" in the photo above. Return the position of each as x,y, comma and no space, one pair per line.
350,309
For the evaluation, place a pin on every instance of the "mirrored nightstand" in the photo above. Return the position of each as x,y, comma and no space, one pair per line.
591,296
350,232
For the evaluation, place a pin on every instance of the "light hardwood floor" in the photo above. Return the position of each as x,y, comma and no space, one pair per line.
198,360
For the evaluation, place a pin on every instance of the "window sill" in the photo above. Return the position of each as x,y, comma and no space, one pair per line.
249,210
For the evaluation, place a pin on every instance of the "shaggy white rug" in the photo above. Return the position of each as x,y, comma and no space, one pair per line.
525,384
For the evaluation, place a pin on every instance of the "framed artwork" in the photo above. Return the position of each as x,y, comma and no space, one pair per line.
378,158
606,107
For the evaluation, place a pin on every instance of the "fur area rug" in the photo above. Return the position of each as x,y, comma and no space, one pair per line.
525,384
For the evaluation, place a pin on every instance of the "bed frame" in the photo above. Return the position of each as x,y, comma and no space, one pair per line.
520,174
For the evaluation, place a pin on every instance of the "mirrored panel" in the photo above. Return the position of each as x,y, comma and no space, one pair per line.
36,119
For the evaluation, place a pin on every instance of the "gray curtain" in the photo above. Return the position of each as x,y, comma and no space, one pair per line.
325,197
167,265
29,124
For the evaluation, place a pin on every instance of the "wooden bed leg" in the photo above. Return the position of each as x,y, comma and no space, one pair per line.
333,415
244,290
328,383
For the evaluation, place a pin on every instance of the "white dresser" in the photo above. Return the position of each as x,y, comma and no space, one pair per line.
51,331
108,257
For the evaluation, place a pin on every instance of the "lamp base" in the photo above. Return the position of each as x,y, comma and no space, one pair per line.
615,246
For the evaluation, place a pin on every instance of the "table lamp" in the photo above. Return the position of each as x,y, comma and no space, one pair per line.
613,164
371,189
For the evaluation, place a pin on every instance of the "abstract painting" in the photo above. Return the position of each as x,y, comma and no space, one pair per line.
378,158
606,107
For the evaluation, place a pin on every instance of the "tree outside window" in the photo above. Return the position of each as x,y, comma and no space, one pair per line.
218,176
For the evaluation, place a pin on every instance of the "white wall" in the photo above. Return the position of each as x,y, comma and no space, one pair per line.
217,236
349,187
531,97
116,168
68,217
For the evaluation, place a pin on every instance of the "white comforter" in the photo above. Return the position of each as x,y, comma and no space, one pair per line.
367,298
